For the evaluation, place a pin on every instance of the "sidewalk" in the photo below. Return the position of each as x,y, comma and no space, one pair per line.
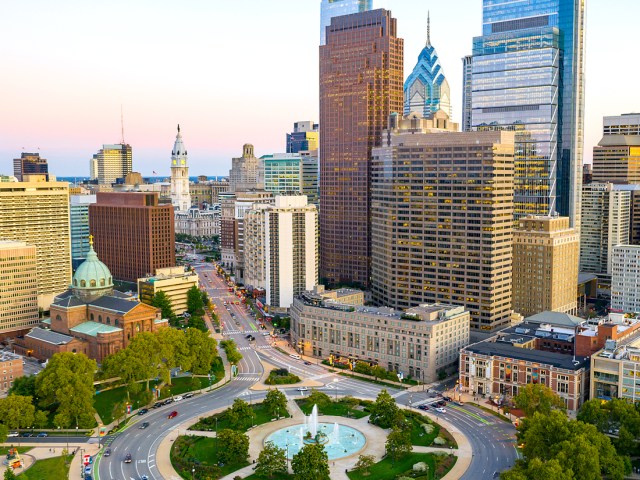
50,451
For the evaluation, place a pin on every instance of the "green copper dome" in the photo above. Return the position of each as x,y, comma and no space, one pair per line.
92,278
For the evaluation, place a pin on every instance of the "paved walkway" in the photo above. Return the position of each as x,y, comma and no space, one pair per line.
51,450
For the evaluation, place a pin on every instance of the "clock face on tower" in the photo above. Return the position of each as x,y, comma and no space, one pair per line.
174,162
182,162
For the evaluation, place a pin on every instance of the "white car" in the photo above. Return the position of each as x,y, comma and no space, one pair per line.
302,389
13,434
441,410
177,398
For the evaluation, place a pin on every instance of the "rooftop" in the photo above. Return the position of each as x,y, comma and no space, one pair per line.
94,328
509,351
556,319
9,356
49,336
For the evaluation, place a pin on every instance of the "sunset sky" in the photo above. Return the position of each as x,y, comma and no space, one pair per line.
230,72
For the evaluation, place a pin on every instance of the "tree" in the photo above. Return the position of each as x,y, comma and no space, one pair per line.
271,461
197,322
67,383
17,411
25,386
311,463
9,475
319,398
535,397
195,305
231,351
236,446
174,350
4,433
119,410
40,419
162,301
398,443
364,463
538,469
239,414
384,410
350,402
202,350
378,372
275,402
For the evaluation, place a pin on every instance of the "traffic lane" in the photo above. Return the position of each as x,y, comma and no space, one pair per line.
35,440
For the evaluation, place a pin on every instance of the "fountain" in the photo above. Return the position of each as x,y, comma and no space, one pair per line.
337,440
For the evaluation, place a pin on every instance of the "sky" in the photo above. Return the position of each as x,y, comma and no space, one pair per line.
229,72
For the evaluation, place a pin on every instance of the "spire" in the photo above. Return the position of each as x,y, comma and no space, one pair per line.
428,28
178,128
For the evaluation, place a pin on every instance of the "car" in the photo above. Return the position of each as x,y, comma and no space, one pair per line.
13,434
87,470
177,398
144,477
248,336
173,414
142,411
295,355
441,410
157,404
107,453
188,395
265,334
441,403
423,407
302,389
444,397
27,435
88,477
167,401
128,458
143,425
307,363
43,434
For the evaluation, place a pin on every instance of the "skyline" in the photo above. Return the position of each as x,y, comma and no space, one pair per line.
78,63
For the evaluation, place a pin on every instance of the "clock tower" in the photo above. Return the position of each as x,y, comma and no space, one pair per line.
180,197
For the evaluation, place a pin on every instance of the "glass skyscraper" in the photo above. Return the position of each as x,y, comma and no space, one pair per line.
527,76
337,8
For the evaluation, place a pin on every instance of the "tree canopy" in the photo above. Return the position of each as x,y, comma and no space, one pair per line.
535,397
311,463
195,304
271,461
275,401
162,301
384,411
235,446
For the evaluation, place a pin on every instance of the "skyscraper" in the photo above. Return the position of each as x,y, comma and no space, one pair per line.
79,222
467,91
114,162
616,158
18,287
180,196
528,77
426,89
336,8
361,73
245,171
30,164
303,137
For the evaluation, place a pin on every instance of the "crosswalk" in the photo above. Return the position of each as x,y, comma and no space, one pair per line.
259,347
248,377
232,332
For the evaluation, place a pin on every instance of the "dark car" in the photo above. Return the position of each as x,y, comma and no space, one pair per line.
188,395
27,434
307,363
423,407
248,336
143,425
88,477
167,401
128,458
157,405
448,399
107,452
142,411
441,403
43,434
173,414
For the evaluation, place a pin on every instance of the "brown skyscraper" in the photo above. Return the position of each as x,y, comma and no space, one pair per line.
133,234
361,81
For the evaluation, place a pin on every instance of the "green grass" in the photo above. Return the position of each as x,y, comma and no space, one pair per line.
337,409
182,385
388,470
418,435
202,452
48,469
372,380
5,450
104,402
209,423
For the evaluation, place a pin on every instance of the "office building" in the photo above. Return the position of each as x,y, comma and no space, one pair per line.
282,173
37,212
175,282
625,279
93,167
528,77
133,232
280,249
442,218
336,8
467,92
180,196
605,224
616,158
207,193
546,253
11,368
426,89
18,287
416,343
79,222
114,162
245,171
361,50
303,138
198,223
30,164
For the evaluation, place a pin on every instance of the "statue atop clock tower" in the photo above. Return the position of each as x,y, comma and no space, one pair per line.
180,197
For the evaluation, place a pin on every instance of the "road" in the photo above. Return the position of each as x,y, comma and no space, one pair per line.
490,438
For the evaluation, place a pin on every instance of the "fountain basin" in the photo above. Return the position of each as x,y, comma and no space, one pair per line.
341,440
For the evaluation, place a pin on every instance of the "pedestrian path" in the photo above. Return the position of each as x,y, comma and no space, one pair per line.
257,347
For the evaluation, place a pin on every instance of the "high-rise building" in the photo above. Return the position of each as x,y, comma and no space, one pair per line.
616,158
114,162
625,279
467,92
310,175
605,224
528,77
361,72
30,164
291,174
336,8
442,218
281,248
133,232
245,171
545,266
37,212
93,167
79,222
426,89
180,197
18,287
207,192
303,137
175,282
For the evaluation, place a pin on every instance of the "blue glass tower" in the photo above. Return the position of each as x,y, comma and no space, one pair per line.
527,76
426,90
337,8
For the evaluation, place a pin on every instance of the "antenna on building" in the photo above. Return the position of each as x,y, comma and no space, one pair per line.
428,28
122,124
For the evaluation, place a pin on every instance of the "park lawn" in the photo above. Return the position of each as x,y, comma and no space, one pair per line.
180,385
419,436
388,470
48,469
202,451
5,450
209,423
104,401
337,409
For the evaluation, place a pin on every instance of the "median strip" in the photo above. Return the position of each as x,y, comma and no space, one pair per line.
471,414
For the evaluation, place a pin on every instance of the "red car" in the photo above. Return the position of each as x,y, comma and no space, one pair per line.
173,414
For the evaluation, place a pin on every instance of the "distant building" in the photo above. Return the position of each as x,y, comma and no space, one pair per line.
180,197
467,92
303,138
134,233
625,279
545,266
207,192
174,281
37,212
79,222
198,223
18,287
10,368
134,179
245,171
93,167
616,158
30,164
291,174
114,162
415,343
336,8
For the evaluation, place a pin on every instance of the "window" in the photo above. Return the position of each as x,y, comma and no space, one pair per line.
108,321
58,317
83,283
100,318
92,283
102,282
